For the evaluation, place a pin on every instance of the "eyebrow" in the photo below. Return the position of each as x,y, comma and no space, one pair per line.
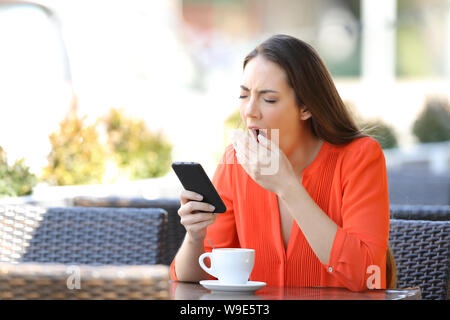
260,91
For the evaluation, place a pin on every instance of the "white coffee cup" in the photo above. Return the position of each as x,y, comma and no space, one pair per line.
229,265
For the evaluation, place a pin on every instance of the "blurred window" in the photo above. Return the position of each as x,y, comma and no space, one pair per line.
422,37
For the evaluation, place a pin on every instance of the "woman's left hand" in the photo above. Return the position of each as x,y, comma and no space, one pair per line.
264,162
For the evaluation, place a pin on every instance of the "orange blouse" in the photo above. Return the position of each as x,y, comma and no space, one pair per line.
348,182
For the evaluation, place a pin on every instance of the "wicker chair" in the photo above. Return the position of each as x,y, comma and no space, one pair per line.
175,230
422,253
114,251
76,235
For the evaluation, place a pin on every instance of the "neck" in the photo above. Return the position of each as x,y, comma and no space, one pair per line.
304,153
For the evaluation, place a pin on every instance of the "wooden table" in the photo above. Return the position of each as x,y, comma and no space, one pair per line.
67,282
194,291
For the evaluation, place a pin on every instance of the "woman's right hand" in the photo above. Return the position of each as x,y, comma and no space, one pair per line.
195,215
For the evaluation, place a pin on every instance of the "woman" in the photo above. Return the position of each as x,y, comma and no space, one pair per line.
322,217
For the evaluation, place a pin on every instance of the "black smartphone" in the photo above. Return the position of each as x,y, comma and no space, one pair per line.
194,178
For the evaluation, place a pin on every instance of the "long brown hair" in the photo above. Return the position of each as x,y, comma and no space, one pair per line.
391,270
313,86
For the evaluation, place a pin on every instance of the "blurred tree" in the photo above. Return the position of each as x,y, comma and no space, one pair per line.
15,180
433,124
234,120
77,157
138,151
380,131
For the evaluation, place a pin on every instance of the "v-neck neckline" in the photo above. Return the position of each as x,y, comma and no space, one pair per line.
286,252
311,168
315,164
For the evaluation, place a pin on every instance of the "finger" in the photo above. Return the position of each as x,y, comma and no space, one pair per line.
247,139
196,218
194,207
273,140
255,152
263,141
253,149
240,139
199,226
187,195
242,158
250,150
243,161
242,146
265,152
238,147
250,144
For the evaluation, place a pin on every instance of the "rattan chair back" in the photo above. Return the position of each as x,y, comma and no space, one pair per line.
422,255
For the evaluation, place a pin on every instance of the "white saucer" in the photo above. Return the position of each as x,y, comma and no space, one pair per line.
215,285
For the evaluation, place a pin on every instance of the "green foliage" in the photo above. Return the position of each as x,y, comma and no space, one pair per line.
138,151
433,124
234,120
380,131
15,180
77,157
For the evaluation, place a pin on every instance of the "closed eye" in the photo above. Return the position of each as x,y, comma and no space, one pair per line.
270,101
242,97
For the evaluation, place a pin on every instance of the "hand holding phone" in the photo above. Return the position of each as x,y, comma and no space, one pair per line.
196,213
194,178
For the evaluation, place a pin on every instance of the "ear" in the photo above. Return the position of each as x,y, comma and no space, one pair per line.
305,114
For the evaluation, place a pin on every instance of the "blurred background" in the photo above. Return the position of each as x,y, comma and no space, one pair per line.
98,97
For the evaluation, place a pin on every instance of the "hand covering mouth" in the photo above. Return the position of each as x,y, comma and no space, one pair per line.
255,132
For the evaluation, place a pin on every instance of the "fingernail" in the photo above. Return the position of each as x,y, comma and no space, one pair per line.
211,207
199,197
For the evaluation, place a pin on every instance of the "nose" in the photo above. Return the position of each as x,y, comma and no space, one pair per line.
252,109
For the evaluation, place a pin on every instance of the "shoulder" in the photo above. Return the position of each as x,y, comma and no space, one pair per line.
366,147
362,155
365,143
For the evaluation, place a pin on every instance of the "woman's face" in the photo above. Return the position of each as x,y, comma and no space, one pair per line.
268,102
